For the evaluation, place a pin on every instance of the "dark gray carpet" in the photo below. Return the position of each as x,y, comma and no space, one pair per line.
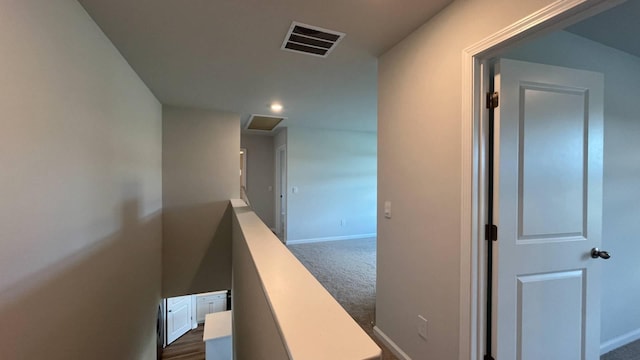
347,269
628,352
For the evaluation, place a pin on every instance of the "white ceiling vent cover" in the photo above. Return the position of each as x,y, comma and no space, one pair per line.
311,40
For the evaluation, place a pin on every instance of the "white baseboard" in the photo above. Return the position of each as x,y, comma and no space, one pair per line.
619,341
395,349
330,238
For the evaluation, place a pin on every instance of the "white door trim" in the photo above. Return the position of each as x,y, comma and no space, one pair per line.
474,72
243,174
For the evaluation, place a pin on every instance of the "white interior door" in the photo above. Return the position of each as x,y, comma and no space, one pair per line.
178,317
549,133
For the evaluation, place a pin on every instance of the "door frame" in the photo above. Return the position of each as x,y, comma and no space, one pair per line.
475,84
280,180
243,168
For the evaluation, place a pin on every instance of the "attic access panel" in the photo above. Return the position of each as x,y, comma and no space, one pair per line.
311,40
263,122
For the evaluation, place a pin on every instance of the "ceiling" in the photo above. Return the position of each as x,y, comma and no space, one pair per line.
225,54
617,28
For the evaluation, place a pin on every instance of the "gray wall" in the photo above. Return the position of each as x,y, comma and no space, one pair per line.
260,175
280,138
621,205
420,162
335,174
200,165
80,225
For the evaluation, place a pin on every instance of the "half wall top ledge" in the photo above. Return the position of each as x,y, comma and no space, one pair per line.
306,322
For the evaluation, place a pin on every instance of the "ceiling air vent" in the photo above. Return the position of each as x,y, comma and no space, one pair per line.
263,122
311,40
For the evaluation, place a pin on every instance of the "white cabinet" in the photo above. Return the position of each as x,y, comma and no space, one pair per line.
208,303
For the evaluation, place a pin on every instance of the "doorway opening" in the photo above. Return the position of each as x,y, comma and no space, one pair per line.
184,318
281,192
572,48
243,175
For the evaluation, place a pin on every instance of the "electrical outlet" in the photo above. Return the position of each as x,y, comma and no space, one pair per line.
422,327
343,222
387,209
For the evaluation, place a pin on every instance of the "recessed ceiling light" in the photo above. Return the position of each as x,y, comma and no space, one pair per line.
276,107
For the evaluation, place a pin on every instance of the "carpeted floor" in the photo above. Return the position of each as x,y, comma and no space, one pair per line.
628,352
347,269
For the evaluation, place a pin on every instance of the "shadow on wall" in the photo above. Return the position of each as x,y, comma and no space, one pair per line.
196,250
99,303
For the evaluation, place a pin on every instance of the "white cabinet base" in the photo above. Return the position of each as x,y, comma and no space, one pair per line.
217,336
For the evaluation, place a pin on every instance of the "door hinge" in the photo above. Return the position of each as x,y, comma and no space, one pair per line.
493,100
490,232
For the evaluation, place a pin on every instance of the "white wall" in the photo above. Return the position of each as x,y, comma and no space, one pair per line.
621,208
200,167
260,175
80,224
335,174
419,166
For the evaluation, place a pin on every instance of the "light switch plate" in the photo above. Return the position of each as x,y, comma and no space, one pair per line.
387,209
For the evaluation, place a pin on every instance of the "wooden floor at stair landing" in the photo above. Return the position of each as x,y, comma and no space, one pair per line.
188,347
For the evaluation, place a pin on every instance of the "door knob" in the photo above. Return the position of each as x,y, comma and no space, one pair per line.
597,253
